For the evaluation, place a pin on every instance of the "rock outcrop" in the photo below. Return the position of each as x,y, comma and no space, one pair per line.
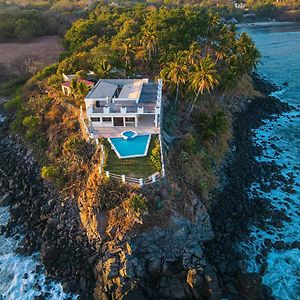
165,261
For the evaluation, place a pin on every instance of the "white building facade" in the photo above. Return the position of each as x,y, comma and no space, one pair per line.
122,103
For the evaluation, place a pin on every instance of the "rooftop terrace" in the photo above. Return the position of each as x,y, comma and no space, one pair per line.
117,88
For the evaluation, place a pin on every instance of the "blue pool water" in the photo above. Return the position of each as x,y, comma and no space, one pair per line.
135,147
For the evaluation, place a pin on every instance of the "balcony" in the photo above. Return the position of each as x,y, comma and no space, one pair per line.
116,109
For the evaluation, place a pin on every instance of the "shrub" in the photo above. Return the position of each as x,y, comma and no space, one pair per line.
137,203
54,174
50,172
54,80
211,126
189,143
155,157
17,125
46,72
14,103
110,194
31,124
78,147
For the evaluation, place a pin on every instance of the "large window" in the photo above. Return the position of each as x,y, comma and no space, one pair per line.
97,103
94,119
130,121
106,119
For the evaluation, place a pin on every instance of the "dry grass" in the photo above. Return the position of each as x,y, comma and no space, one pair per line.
44,51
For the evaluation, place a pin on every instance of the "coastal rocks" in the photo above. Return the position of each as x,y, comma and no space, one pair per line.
161,263
232,213
42,220
6,199
250,286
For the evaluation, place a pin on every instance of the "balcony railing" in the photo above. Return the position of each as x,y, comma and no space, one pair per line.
127,110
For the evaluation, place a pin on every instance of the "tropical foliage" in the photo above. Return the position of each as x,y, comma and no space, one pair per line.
190,48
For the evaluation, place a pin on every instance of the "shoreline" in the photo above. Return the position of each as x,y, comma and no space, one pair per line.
41,221
266,24
65,249
233,213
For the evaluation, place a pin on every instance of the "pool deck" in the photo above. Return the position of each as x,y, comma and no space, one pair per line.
111,132
145,126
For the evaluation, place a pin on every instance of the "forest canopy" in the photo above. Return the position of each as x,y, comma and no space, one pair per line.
146,39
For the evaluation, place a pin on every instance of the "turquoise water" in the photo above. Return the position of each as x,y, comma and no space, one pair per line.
136,147
280,49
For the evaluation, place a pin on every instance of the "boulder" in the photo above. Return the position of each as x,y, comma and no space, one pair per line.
279,245
250,286
6,199
154,267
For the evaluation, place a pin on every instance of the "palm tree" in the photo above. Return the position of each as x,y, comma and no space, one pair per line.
248,54
82,89
204,78
74,86
104,68
178,72
128,53
194,53
149,43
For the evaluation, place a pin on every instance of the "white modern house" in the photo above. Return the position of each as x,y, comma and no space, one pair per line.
116,105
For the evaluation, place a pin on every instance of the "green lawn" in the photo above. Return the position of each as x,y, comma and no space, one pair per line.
140,167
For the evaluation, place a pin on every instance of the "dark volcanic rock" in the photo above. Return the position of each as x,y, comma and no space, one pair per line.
231,211
40,221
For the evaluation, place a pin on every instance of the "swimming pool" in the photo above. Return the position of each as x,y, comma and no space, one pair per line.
134,147
128,135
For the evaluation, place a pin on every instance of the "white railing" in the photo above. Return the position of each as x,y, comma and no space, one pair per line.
126,110
137,181
82,120
163,170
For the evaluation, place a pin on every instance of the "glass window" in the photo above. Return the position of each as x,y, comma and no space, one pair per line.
97,103
106,119
130,119
93,119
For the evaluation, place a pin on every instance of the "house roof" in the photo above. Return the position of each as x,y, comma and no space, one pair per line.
130,89
86,82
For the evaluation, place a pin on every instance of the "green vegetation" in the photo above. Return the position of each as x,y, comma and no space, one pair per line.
109,194
54,174
198,154
22,20
137,203
11,87
140,167
196,54
211,126
155,157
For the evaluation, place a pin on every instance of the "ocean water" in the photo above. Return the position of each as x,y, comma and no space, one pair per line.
280,49
23,277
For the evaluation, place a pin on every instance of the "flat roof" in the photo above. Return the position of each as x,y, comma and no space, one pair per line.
130,89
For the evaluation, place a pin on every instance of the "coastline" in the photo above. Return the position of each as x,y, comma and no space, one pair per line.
233,212
266,24
44,217
42,222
